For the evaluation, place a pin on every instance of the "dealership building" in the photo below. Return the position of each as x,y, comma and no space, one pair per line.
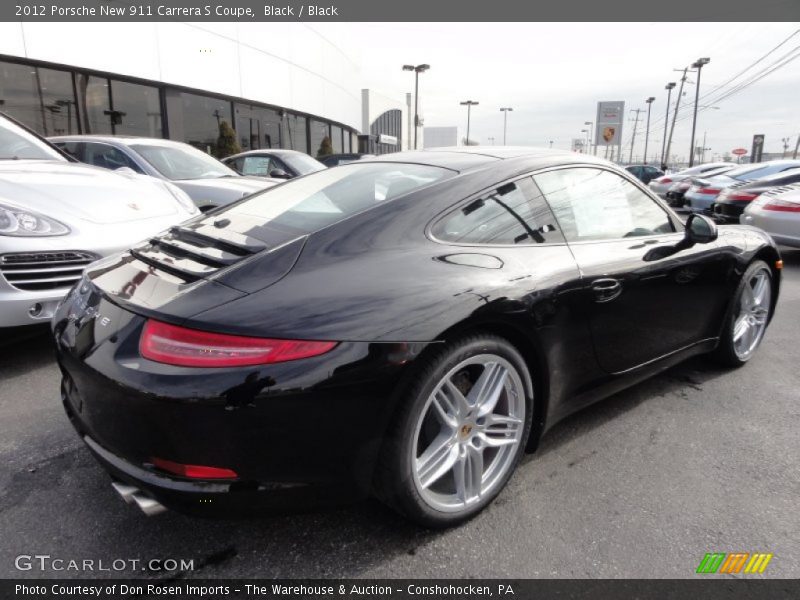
288,89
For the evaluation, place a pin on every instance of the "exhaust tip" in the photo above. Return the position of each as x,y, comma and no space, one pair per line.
133,495
147,505
126,492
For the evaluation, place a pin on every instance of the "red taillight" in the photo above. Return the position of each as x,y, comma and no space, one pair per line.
708,191
664,180
193,471
180,346
741,196
782,206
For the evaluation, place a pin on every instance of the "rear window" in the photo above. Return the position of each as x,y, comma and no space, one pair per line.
326,197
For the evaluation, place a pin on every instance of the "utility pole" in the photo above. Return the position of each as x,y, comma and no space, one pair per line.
469,104
633,137
703,151
505,112
698,64
675,114
667,87
647,133
796,146
591,134
417,70
785,141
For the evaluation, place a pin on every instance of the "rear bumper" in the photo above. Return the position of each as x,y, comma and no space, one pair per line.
297,434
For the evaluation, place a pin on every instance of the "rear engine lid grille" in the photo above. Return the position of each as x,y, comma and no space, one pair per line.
35,271
784,188
196,252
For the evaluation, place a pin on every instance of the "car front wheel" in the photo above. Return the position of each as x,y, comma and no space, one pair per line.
461,434
748,317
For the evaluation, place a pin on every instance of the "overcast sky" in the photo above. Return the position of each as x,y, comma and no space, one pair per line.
554,74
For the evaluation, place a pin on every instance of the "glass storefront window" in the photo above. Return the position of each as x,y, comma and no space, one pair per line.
138,109
295,129
319,131
42,99
196,119
257,127
95,103
336,139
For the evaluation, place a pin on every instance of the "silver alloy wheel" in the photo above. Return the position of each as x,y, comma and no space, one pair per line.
751,321
467,436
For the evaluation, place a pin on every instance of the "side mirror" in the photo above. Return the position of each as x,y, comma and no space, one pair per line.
700,229
279,174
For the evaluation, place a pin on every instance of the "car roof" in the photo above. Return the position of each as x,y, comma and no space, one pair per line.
466,158
256,152
124,140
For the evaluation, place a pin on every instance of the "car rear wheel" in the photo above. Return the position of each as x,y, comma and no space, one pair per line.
461,433
748,318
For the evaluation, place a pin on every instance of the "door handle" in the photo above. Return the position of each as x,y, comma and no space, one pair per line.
606,289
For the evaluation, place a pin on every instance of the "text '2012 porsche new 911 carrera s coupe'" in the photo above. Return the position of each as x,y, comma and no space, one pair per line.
405,326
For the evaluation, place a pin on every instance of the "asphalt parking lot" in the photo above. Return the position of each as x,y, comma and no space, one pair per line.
642,485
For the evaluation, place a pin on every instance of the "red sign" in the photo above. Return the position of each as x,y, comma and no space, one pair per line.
739,151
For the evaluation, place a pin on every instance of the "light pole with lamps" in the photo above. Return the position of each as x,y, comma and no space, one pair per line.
469,104
669,88
592,146
698,64
417,70
649,102
505,112
586,131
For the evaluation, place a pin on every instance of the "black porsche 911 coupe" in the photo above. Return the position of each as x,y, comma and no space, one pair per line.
404,326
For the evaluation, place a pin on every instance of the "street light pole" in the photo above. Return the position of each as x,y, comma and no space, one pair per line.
667,87
586,140
675,114
592,146
647,131
633,137
417,70
698,64
469,104
505,112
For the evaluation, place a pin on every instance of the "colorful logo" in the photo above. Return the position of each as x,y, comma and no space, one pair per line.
735,562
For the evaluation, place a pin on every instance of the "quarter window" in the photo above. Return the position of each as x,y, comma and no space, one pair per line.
514,214
594,204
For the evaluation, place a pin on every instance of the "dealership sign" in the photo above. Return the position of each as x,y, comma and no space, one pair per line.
758,148
387,139
608,130
739,151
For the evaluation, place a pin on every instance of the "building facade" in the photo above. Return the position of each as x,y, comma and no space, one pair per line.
289,89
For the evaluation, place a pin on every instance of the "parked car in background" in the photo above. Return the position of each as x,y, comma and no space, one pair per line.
326,340
778,213
208,182
732,201
702,194
676,194
57,216
333,160
644,173
275,163
661,185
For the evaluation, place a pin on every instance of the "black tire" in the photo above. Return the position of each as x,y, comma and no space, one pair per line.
725,353
394,478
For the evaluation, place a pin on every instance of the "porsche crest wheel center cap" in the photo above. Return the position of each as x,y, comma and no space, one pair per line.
465,430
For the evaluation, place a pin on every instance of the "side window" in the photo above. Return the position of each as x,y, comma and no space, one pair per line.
256,165
108,157
514,213
74,149
594,204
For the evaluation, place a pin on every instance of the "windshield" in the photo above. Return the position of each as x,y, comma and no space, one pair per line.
326,197
302,163
16,143
182,162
